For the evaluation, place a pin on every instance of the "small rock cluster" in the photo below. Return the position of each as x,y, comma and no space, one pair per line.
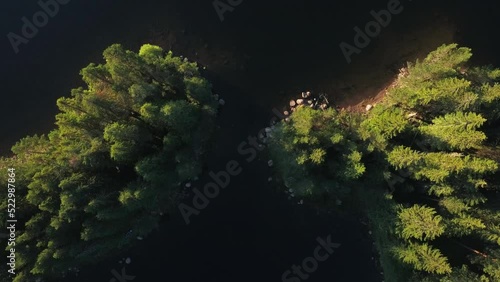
308,100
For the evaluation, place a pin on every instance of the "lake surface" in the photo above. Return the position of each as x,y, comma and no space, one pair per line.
260,56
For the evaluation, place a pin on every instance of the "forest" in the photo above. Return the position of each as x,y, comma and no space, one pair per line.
422,165
104,177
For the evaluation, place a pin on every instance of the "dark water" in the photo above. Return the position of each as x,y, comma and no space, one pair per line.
261,54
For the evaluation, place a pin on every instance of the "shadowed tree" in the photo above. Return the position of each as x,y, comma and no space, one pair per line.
115,162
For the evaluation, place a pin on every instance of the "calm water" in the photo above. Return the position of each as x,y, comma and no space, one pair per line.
257,58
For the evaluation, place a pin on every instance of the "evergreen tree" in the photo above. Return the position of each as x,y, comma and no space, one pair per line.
316,153
434,139
121,148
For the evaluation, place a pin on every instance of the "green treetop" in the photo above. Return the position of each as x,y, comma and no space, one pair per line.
122,146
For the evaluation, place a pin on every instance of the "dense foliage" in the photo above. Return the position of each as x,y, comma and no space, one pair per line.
122,147
317,153
431,152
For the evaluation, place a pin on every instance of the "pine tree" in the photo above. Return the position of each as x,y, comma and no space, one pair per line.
419,222
424,257
121,148
455,131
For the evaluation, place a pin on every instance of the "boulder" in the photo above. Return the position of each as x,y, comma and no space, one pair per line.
300,101
222,102
128,261
369,107
292,103
270,163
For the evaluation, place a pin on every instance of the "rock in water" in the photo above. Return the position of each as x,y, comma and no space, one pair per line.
292,103
300,101
128,261
270,163
222,102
